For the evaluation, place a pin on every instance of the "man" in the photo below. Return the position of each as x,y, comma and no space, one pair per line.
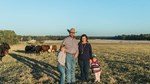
71,54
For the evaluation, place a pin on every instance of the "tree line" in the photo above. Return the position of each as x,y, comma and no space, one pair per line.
119,37
8,36
11,37
132,37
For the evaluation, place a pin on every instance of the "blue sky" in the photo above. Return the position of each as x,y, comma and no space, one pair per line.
92,17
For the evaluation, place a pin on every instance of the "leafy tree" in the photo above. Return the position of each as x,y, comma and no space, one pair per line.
8,36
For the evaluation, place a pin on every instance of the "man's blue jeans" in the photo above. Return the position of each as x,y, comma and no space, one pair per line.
62,73
70,68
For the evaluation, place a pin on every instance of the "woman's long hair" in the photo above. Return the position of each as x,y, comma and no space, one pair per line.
83,36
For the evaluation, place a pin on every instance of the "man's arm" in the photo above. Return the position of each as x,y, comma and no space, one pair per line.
77,51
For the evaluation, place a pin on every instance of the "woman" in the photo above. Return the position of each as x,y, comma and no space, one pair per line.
85,53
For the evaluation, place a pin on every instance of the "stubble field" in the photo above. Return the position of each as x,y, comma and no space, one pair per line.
127,63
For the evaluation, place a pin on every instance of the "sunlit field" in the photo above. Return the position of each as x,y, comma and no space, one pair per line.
120,63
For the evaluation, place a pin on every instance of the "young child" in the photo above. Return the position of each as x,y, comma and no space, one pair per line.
61,63
95,66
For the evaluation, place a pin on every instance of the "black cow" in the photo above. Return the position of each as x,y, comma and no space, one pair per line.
4,49
38,49
30,49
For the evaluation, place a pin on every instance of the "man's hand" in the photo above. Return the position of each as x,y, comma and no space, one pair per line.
63,49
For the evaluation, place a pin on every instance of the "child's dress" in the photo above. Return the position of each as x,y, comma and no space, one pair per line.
96,70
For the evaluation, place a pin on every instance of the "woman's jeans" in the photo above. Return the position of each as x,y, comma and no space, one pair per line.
84,67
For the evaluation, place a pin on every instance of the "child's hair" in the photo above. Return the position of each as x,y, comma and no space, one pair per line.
94,57
62,46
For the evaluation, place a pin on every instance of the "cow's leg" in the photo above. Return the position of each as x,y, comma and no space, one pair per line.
0,58
37,54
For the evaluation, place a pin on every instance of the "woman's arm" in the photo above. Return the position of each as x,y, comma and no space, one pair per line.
90,50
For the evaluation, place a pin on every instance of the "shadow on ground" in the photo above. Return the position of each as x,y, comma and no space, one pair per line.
38,67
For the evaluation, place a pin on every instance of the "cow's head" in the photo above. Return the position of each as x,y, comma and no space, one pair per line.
6,47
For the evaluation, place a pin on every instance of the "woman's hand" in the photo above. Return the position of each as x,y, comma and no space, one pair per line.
90,61
75,55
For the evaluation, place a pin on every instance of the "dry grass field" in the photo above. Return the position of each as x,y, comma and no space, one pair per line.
121,63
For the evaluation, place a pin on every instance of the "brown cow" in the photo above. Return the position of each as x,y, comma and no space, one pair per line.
45,48
53,48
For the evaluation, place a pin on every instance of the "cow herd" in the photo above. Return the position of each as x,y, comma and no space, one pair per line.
40,49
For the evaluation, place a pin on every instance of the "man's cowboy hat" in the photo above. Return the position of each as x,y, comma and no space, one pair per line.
72,30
